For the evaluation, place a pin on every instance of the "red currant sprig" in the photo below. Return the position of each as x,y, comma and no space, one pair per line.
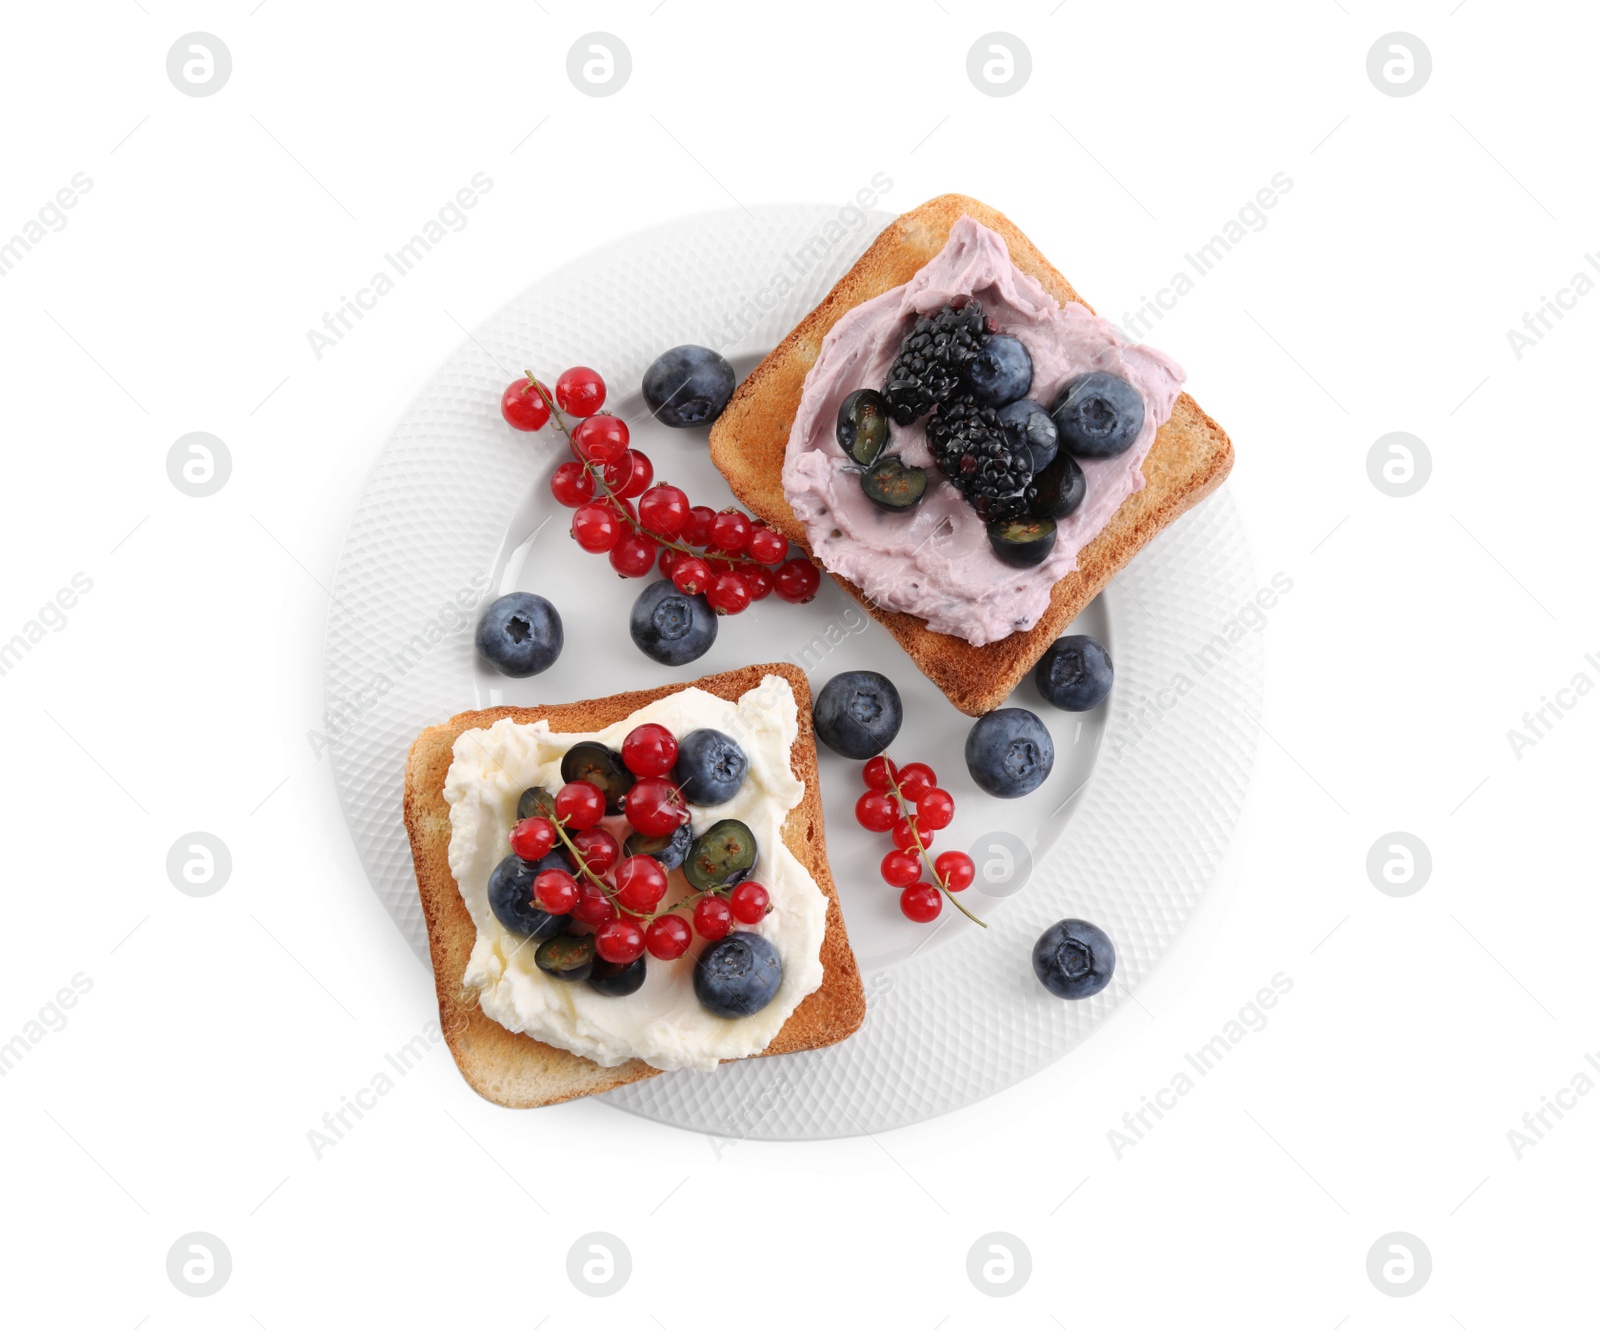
908,803
730,559
625,908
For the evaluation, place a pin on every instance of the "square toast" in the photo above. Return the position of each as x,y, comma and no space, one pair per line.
518,1071
1190,457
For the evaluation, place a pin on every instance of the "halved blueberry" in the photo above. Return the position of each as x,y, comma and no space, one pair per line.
615,979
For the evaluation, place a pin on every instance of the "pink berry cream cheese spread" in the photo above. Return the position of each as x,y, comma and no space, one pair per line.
935,561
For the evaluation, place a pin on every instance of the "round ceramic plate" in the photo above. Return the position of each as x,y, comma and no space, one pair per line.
1129,831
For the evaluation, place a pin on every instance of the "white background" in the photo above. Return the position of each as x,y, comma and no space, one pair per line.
218,1031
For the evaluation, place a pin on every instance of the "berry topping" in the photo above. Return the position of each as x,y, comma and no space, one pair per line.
738,976
568,957
594,907
1001,372
572,483
893,486
858,713
955,870
655,806
863,426
668,937
921,904
1074,959
796,581
974,451
1028,425
877,811
768,546
596,527
649,750
641,883
712,918
620,941
668,851
601,767
710,768
664,511
598,849
721,856
512,900
687,386
615,979
520,634
580,805
1098,415
602,439
932,357
532,838
728,594
670,625
749,902
901,868
1009,753
580,391
523,405
556,890
1022,542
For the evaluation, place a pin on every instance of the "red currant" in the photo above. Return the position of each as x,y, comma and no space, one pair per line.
556,890
698,532
655,806
692,576
935,809
573,484
649,750
796,581
916,780
879,773
621,506
757,580
749,902
601,439
634,556
620,941
664,511
630,474
901,868
907,837
670,558
877,811
580,805
641,883
532,838
767,546
594,907
596,528
712,918
730,531
955,870
728,594
598,849
921,904
580,391
523,406
668,937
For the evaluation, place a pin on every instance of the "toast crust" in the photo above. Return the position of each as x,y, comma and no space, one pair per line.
1190,457
518,1071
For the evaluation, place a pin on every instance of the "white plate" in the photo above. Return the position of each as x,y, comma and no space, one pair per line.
457,510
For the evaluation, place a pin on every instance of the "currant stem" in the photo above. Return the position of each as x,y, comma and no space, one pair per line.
611,892
911,817
604,493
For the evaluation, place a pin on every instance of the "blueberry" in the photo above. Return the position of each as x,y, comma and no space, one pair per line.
688,386
1001,372
1009,753
668,851
1098,415
511,897
711,767
858,713
520,634
1028,423
1074,959
1075,673
737,976
615,979
670,627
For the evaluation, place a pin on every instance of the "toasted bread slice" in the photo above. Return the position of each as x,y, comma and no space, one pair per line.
516,1070
1189,458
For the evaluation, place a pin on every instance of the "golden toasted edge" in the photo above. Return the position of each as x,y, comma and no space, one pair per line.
1190,457
518,1071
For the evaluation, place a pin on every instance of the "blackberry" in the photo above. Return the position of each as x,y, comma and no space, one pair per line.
932,356
970,446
